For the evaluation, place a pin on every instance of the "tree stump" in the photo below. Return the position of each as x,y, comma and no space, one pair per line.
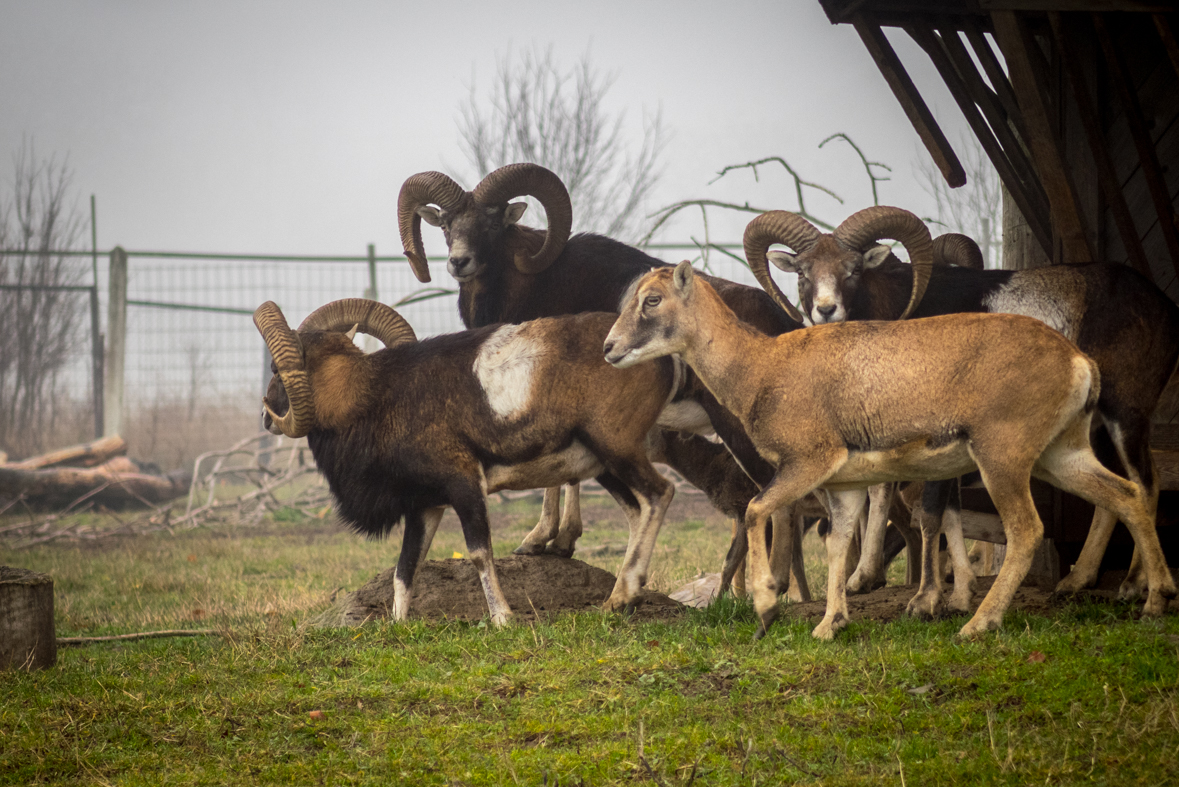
28,639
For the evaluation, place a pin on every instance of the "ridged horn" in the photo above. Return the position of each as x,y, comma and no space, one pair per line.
421,189
287,352
955,249
863,228
373,317
532,180
777,226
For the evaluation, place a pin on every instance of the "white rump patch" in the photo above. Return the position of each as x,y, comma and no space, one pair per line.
1048,302
504,368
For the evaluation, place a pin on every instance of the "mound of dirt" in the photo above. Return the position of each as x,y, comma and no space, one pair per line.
888,603
535,586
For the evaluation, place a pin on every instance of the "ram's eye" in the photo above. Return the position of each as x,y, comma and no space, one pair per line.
652,300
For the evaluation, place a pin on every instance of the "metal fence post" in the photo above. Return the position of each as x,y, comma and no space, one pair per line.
96,360
116,328
370,292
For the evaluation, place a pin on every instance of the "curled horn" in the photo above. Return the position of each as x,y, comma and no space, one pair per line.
372,317
422,189
869,225
287,352
955,249
533,180
777,226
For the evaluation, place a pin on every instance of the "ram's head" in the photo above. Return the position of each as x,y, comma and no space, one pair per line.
290,406
829,265
476,223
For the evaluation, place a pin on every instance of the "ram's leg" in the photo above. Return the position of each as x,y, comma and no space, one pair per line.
869,574
1069,463
1010,490
799,589
1084,571
964,578
471,506
733,572
411,556
430,518
1136,582
1130,441
645,496
927,603
783,489
546,527
566,541
845,509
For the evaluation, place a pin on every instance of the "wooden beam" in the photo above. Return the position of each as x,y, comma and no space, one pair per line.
911,102
986,99
1025,196
997,77
1168,36
1027,74
1132,6
1147,157
1106,176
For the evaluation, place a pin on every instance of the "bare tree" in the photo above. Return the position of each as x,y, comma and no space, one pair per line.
975,209
705,244
39,319
539,113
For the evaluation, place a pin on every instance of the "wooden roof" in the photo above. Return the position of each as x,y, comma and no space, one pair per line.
1076,104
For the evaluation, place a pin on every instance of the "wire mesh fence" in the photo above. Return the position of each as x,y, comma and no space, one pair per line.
194,363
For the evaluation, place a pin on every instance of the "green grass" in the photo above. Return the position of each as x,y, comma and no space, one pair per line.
581,699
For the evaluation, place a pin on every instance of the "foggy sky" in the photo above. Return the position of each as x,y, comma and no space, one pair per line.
288,127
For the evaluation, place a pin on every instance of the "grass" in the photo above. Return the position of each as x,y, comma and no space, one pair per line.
1088,695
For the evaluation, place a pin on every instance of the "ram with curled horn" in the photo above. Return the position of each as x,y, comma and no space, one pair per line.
511,273
1113,313
406,431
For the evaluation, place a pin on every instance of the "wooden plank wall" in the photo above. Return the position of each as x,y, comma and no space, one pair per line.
1156,85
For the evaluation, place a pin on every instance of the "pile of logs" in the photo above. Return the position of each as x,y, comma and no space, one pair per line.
99,472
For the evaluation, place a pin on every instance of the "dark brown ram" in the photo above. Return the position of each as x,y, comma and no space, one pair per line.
420,425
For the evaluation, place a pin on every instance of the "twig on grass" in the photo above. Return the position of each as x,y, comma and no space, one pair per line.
64,641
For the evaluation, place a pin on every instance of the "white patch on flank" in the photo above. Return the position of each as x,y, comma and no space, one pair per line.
1024,295
504,369
685,416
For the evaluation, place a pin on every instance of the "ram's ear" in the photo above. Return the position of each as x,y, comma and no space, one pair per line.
683,277
514,212
876,255
431,215
783,260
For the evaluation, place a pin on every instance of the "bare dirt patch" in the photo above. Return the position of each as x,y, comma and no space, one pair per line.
888,603
535,586
544,586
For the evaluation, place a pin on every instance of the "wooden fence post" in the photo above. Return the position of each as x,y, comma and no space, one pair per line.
27,635
116,332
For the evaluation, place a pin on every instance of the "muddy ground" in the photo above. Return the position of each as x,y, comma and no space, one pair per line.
544,586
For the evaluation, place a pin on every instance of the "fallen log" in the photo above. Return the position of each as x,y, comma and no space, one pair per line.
117,484
89,454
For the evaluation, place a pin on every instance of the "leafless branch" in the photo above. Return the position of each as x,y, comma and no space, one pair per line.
538,112
872,176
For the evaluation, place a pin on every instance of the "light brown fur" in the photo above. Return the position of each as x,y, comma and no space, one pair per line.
919,400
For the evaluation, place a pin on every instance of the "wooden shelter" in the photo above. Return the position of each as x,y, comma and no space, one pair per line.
1076,103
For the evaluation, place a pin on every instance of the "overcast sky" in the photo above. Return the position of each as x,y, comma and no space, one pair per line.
288,127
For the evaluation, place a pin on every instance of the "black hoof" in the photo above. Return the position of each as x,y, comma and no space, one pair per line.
551,550
525,549
761,632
